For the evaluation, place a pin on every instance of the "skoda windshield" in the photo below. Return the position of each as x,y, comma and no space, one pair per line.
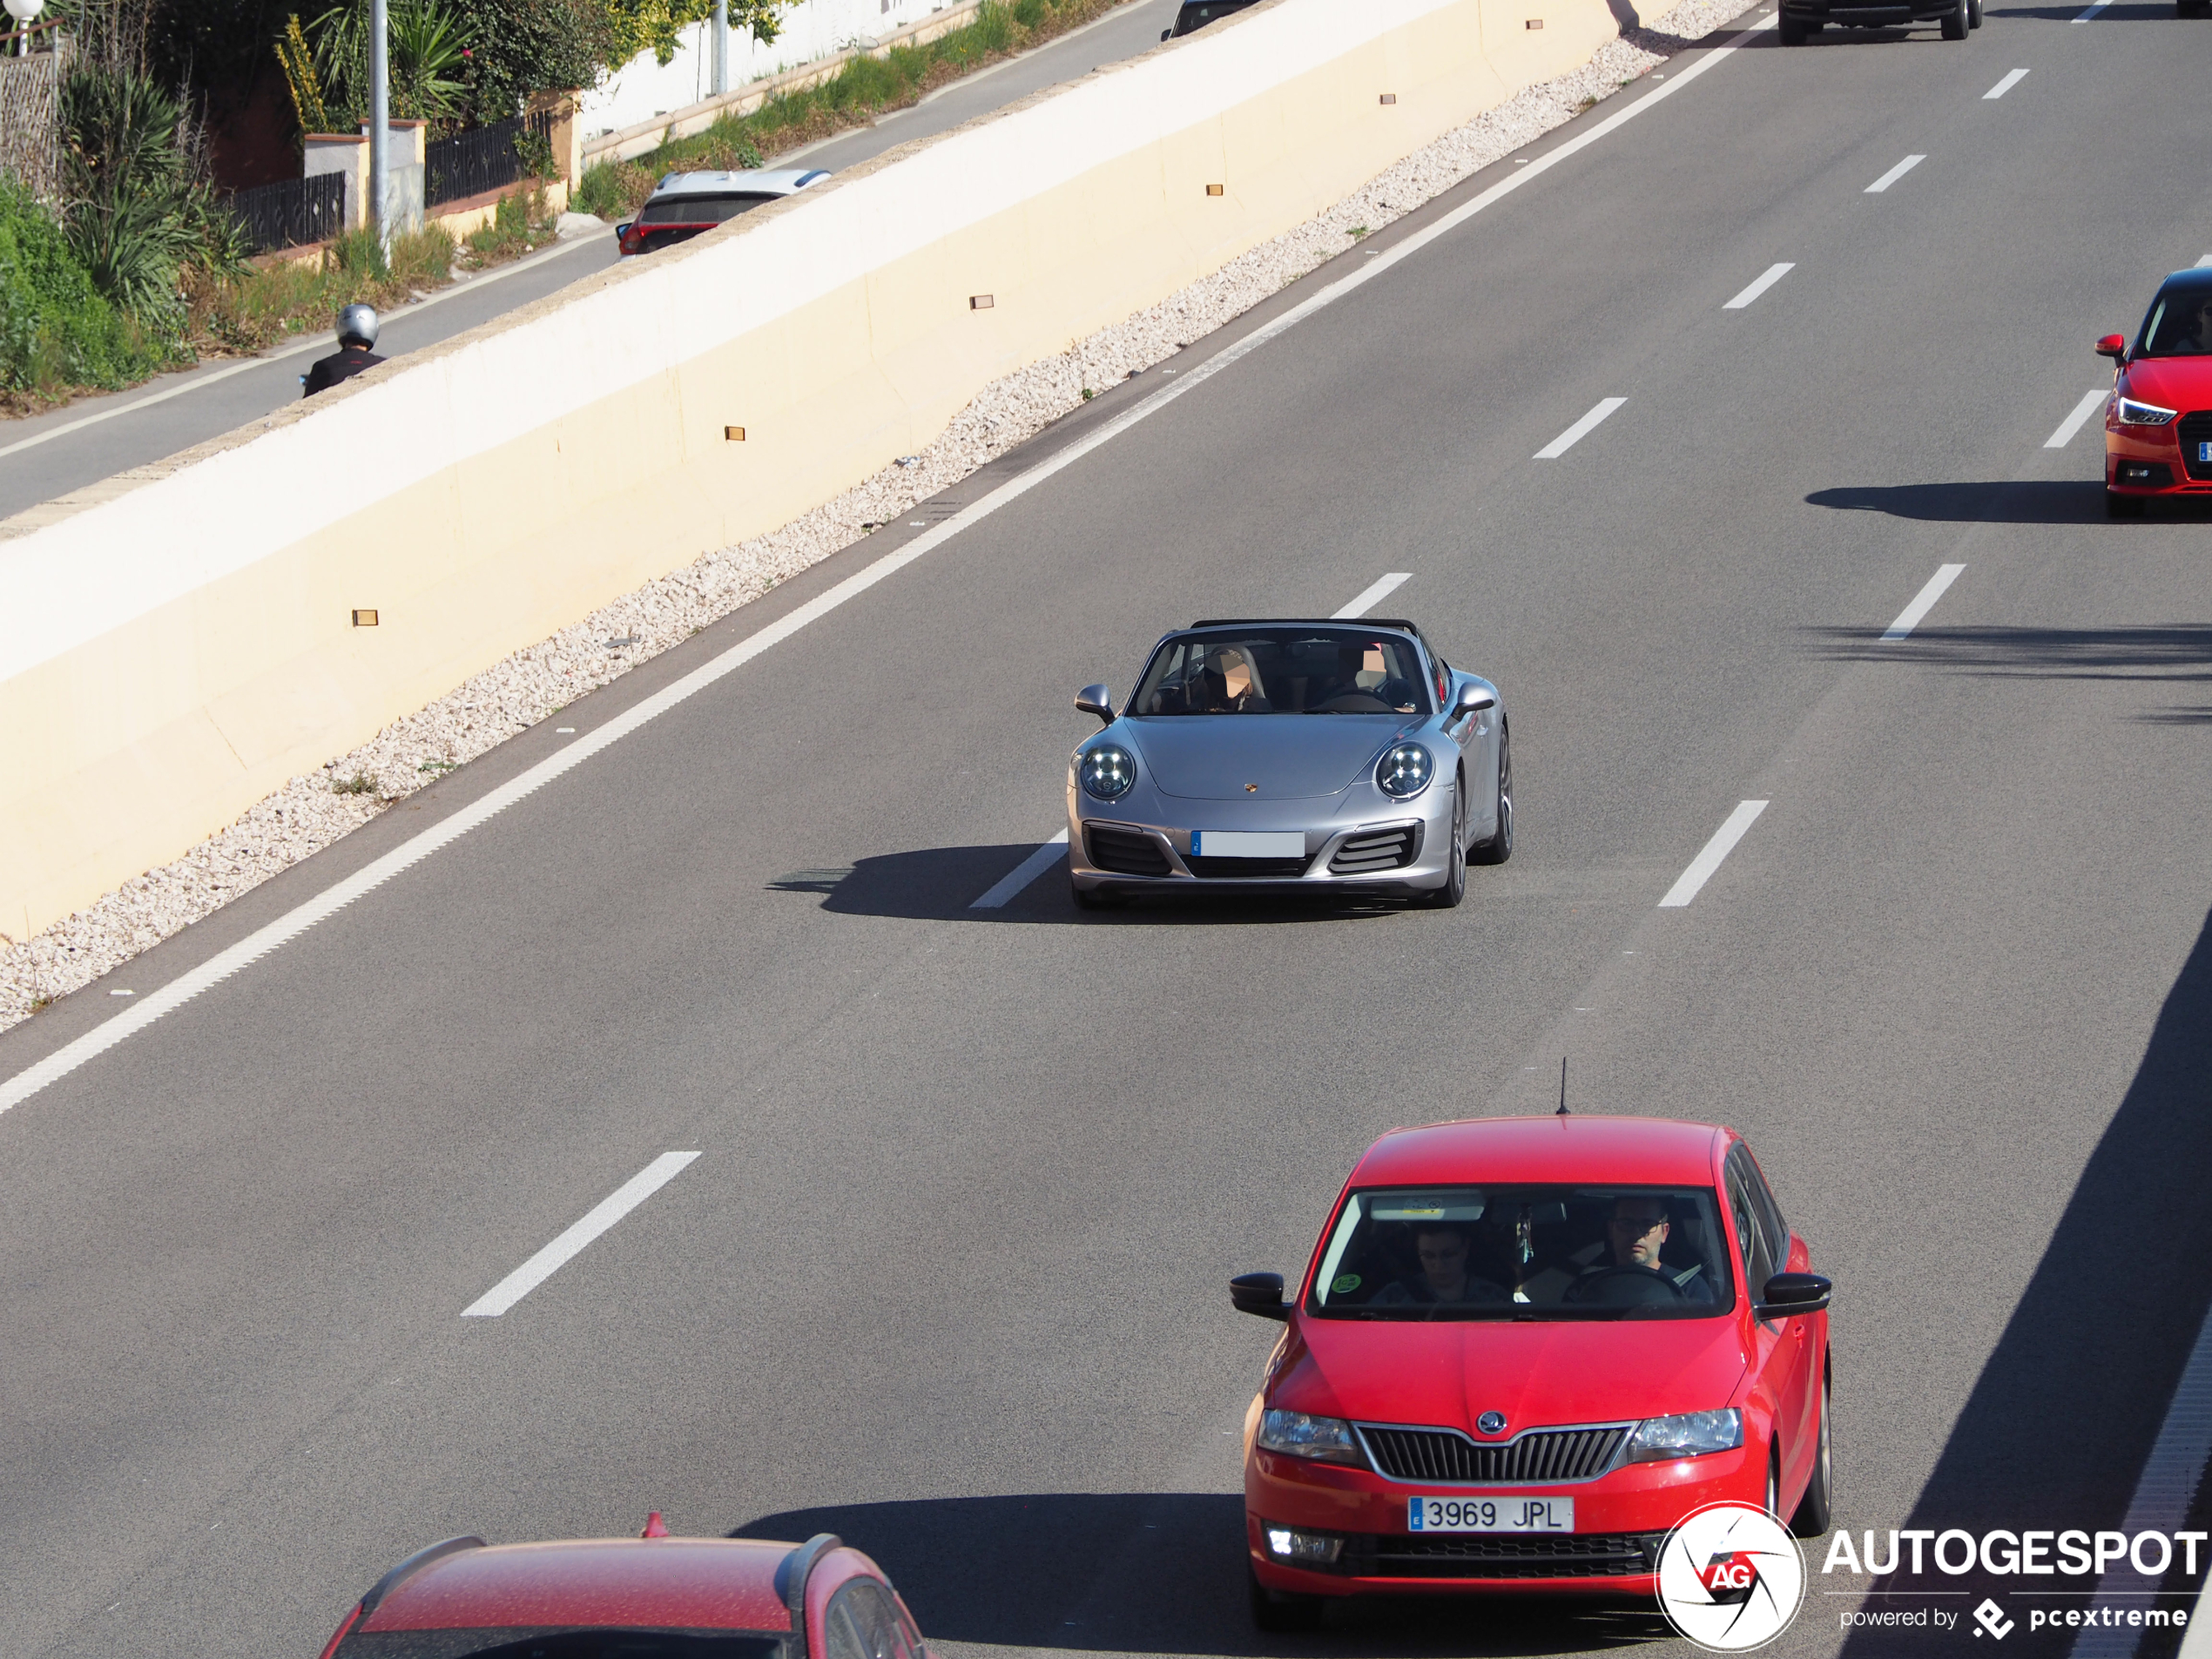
1526,1252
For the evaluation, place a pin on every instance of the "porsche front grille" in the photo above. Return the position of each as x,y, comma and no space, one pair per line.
1387,849
1125,852
2197,432
1488,1555
1540,1457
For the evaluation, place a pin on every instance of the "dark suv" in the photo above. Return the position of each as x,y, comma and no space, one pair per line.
1196,14
1798,20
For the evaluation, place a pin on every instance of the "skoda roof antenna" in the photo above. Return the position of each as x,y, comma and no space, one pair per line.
1562,1111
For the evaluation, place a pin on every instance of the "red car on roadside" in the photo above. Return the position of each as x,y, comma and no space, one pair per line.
2158,426
654,1597
1523,1351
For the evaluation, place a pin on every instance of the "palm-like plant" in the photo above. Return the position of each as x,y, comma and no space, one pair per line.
424,59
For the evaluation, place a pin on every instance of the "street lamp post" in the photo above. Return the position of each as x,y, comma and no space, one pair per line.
721,46
26,13
380,120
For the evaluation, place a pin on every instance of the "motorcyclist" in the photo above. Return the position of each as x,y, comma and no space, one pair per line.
356,335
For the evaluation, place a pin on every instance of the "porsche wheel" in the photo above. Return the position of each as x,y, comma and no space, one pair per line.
1814,1509
1455,870
1974,14
1092,898
1499,847
1277,1611
1955,25
1792,31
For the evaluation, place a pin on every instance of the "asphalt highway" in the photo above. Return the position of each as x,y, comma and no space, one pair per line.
946,1274
98,438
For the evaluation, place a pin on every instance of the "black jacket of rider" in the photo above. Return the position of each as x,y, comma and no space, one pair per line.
341,365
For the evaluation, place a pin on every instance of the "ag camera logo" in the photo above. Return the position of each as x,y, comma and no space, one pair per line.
1730,1578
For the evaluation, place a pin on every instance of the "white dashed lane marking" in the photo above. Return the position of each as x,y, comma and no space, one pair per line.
563,1249
1701,868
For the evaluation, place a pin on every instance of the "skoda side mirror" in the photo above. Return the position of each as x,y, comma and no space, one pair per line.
1472,699
623,229
1096,699
1788,1295
2113,345
1260,1293
1167,34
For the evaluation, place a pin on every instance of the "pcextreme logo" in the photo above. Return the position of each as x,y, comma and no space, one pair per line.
1731,1577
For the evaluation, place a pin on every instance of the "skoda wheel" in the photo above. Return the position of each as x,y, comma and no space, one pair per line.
1955,25
1278,1610
1814,1509
1791,30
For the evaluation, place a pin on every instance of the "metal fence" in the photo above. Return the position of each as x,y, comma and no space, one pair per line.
291,212
30,117
485,157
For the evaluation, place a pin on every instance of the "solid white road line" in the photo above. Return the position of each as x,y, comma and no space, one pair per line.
103,1037
1581,428
556,1255
2093,11
1774,274
1923,602
1374,596
1893,175
2163,1495
2090,403
2004,86
320,342
1701,868
1028,870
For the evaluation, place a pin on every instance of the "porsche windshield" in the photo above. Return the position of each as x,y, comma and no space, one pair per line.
1301,669
1547,1253
2180,324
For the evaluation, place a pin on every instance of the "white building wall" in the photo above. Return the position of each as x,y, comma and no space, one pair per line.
812,28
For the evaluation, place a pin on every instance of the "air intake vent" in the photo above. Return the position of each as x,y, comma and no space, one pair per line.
1125,852
1390,849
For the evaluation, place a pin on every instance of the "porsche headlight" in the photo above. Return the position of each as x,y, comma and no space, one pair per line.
1325,1439
1691,1434
1404,772
1107,772
2130,413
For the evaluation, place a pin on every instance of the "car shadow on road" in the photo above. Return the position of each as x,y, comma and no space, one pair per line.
2178,654
942,883
1156,1573
2062,1418
2036,501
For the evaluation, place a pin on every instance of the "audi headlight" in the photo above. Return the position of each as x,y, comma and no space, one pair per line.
1404,772
2131,412
1325,1439
1107,772
1691,1434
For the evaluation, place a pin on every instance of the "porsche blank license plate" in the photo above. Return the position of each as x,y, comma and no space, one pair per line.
1247,844
1492,1514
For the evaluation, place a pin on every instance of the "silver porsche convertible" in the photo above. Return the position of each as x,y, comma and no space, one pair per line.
1298,756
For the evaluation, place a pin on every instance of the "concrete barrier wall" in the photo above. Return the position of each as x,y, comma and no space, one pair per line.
170,656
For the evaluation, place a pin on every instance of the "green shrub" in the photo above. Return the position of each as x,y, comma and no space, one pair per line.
56,329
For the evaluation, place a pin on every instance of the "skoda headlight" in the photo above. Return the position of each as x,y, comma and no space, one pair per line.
1107,772
1404,772
1691,1434
2134,414
1325,1439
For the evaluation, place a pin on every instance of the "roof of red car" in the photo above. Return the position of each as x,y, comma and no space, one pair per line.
1579,1148
688,1583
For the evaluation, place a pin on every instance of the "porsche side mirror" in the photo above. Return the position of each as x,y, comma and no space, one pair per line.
2113,345
1790,1294
1096,699
1260,1293
1167,34
1472,699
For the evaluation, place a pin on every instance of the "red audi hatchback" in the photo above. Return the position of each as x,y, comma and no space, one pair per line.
655,1597
2158,426
1524,1350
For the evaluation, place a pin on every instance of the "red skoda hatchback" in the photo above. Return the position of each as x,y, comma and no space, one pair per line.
1524,1350
654,1597
2158,426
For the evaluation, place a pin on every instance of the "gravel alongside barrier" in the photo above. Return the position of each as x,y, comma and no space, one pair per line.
310,813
